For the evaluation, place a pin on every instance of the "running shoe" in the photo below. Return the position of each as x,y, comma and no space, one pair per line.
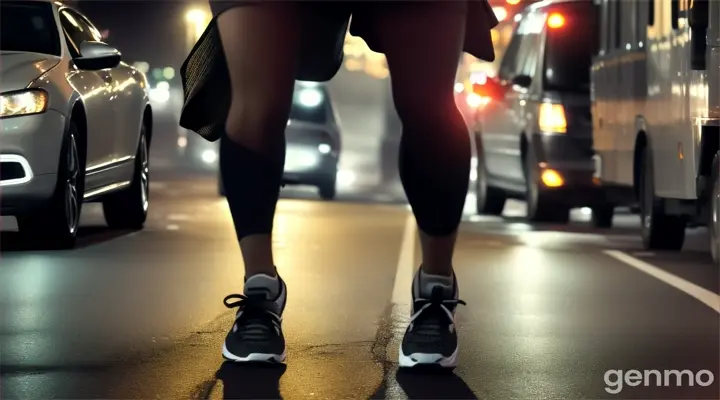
256,335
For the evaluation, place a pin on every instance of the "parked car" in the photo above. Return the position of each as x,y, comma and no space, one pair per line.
533,130
76,124
313,141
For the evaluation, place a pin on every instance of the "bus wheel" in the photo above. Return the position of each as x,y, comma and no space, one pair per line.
659,231
714,223
602,216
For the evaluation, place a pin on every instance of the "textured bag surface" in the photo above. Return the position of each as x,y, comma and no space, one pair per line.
205,86
206,81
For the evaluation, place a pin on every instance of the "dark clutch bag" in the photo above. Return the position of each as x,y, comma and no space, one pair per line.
206,86
481,20
206,82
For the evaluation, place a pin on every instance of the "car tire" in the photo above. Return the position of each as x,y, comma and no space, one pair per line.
659,231
55,226
220,185
602,216
128,208
488,200
714,220
328,188
540,206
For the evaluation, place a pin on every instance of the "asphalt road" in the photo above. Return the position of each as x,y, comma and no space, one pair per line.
550,309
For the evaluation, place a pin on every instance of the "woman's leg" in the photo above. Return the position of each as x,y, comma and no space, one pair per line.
423,44
261,46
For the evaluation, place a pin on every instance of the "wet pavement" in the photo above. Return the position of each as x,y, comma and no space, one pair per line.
550,309
554,312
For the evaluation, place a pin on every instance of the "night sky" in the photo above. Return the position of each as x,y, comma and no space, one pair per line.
150,31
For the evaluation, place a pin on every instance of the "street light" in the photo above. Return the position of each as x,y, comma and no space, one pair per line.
197,21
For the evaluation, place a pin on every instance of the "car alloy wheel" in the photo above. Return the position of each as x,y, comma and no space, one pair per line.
72,200
715,222
144,173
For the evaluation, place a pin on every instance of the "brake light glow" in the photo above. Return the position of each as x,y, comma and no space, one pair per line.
478,77
513,2
551,118
555,21
500,13
475,100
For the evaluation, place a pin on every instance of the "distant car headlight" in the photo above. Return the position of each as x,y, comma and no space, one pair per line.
324,148
23,103
209,156
310,97
159,95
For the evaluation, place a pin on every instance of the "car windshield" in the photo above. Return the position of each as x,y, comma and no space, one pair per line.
28,26
572,41
310,104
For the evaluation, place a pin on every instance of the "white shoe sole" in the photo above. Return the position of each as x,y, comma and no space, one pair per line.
254,357
424,359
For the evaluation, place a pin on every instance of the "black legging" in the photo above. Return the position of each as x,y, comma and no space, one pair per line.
434,170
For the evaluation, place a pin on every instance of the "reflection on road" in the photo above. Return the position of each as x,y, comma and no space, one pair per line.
139,314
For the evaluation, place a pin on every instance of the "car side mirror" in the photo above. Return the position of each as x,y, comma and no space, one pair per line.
523,81
97,55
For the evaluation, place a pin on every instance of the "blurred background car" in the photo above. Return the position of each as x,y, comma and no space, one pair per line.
313,142
533,126
76,124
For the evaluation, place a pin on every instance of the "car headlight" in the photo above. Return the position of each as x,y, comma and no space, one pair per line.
310,97
23,103
324,148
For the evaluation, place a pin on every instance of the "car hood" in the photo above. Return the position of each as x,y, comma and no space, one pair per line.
19,69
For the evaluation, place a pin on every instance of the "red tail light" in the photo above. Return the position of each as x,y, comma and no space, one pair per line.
555,21
490,88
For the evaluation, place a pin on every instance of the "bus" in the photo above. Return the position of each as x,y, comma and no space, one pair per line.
656,114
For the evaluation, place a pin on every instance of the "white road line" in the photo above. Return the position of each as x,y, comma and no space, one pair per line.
705,296
402,296
405,266
178,217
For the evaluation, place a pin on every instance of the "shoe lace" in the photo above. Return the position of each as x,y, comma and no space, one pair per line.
254,318
433,315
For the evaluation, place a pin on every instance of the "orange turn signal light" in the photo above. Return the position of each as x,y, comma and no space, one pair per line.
552,178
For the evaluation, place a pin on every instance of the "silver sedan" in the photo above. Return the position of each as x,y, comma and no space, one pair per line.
75,124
